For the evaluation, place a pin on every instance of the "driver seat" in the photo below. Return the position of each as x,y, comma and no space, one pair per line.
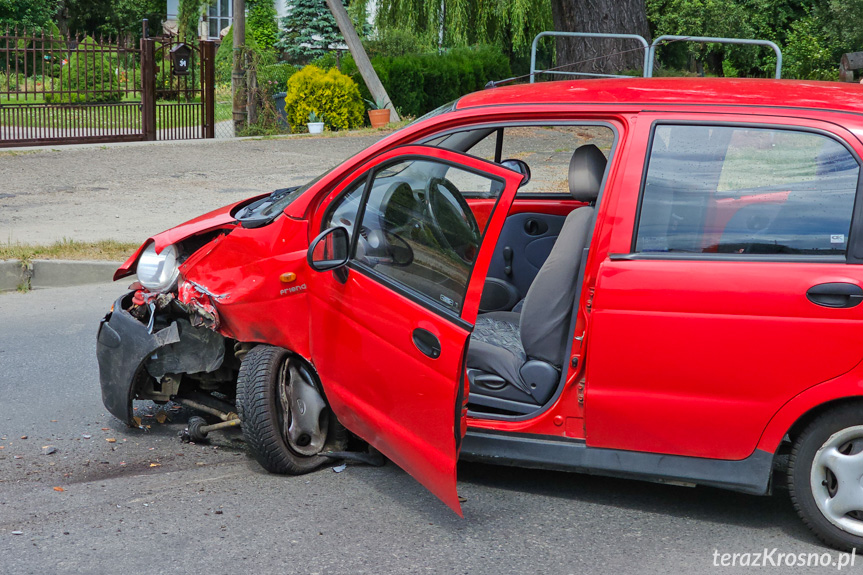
514,358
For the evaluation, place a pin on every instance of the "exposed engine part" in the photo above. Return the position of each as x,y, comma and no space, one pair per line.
242,348
198,303
198,429
223,415
198,350
162,389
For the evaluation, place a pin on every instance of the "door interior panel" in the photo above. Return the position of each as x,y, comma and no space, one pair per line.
524,244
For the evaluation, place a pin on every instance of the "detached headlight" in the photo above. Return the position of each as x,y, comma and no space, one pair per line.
158,272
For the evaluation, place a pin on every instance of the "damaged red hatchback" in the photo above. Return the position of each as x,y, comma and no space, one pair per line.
651,278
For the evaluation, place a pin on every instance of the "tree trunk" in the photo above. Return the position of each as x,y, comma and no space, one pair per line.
600,55
364,65
238,72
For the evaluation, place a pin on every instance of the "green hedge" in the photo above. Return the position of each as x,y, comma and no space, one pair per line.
420,83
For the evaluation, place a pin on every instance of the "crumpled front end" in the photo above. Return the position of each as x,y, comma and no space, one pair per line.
148,343
184,339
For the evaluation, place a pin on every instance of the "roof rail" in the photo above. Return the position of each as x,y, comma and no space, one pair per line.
668,38
534,71
649,51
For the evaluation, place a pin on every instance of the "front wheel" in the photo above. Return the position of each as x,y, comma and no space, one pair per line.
285,420
825,477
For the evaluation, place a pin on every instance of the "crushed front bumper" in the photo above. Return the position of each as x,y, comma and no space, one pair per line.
123,344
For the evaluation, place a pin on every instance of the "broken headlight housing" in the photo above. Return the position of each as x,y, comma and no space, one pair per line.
158,272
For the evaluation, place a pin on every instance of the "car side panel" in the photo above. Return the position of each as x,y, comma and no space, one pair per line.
694,358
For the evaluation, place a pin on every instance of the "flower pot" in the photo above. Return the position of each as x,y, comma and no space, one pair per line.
379,118
315,127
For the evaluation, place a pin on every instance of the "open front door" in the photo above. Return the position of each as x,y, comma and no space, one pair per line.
389,329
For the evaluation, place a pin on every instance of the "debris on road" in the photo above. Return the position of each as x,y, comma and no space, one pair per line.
48,449
59,489
340,468
110,440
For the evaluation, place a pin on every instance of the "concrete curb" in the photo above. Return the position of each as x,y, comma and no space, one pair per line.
55,273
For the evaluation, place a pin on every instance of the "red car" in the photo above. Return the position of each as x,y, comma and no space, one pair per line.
651,278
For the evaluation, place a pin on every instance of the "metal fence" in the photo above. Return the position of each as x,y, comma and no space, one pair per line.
80,90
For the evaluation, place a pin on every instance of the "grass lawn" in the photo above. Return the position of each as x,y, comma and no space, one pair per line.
102,117
107,250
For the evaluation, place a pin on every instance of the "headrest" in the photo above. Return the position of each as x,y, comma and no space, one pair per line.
586,169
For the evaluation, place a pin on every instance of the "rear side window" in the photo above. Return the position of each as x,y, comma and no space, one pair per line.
735,190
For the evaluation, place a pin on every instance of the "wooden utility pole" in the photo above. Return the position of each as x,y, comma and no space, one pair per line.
238,74
379,93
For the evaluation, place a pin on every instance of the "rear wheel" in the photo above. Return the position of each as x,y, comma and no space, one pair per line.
825,476
285,419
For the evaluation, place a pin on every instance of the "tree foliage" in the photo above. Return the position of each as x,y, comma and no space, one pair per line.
510,23
34,15
262,21
111,17
309,30
813,34
189,15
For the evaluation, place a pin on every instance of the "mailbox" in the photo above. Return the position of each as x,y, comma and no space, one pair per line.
181,56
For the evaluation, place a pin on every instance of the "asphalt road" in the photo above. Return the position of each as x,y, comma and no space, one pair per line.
147,503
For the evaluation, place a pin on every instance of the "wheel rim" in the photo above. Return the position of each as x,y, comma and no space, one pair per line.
836,479
303,414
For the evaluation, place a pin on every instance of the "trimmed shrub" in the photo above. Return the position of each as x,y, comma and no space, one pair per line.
422,82
91,76
330,93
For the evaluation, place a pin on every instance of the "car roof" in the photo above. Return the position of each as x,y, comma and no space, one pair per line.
838,96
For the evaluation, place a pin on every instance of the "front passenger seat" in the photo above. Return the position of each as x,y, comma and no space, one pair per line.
514,359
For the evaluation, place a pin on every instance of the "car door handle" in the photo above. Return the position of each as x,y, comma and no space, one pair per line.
426,342
836,295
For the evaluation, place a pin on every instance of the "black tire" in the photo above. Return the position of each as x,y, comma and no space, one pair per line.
258,408
800,466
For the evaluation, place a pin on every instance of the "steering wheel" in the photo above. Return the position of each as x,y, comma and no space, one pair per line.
382,244
383,247
451,220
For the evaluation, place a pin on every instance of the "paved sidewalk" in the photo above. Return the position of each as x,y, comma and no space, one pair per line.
127,192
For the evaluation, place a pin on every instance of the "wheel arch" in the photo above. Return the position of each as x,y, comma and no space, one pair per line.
796,414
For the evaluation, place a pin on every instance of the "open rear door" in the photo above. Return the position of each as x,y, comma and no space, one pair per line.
389,331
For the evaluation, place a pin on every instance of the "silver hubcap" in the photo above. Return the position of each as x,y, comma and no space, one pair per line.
836,479
304,416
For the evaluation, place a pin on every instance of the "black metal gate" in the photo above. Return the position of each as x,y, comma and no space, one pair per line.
71,91
182,106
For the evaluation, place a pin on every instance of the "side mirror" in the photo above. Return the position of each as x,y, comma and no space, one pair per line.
519,166
330,250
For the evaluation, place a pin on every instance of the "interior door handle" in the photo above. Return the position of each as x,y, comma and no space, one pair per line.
426,342
507,260
836,295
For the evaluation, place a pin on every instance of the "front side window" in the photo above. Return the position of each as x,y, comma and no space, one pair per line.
737,190
417,230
